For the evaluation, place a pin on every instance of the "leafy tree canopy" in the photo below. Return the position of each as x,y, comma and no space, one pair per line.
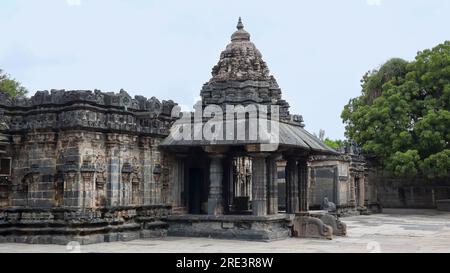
10,86
403,114
335,144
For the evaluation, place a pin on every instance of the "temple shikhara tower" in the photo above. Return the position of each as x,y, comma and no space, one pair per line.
96,167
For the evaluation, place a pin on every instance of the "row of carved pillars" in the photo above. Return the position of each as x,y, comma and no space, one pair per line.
264,185
296,185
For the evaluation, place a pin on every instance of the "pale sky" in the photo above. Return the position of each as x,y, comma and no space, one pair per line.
317,50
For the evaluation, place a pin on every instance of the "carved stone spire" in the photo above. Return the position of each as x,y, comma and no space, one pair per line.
241,60
241,76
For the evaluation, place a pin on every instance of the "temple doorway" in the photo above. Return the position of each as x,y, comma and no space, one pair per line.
197,191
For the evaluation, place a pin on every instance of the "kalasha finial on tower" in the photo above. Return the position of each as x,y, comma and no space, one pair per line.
240,25
240,34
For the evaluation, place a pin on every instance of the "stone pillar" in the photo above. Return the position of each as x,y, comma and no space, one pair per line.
113,182
272,183
125,185
259,185
228,184
147,170
367,192
71,189
292,196
87,190
352,190
215,202
362,192
177,183
157,185
303,185
337,187
17,196
136,191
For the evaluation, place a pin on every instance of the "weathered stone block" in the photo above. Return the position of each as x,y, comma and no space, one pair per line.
339,227
311,227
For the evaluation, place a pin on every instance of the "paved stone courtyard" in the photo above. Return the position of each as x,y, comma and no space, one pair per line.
393,231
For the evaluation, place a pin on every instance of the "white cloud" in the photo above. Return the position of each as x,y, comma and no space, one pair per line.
374,2
73,3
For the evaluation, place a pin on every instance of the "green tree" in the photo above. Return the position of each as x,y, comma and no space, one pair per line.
10,86
335,144
403,114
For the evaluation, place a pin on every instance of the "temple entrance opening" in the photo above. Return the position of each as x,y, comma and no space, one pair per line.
198,196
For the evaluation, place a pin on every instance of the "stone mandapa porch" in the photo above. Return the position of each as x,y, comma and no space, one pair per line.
227,187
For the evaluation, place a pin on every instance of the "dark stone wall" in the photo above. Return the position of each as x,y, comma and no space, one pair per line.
83,149
85,166
325,185
409,192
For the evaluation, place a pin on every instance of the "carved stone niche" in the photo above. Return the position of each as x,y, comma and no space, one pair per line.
100,168
126,172
126,187
100,184
132,179
135,189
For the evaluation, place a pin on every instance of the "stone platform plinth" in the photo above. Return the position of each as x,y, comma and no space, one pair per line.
443,205
61,226
243,227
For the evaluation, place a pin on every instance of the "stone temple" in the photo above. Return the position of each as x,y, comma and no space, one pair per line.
94,167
